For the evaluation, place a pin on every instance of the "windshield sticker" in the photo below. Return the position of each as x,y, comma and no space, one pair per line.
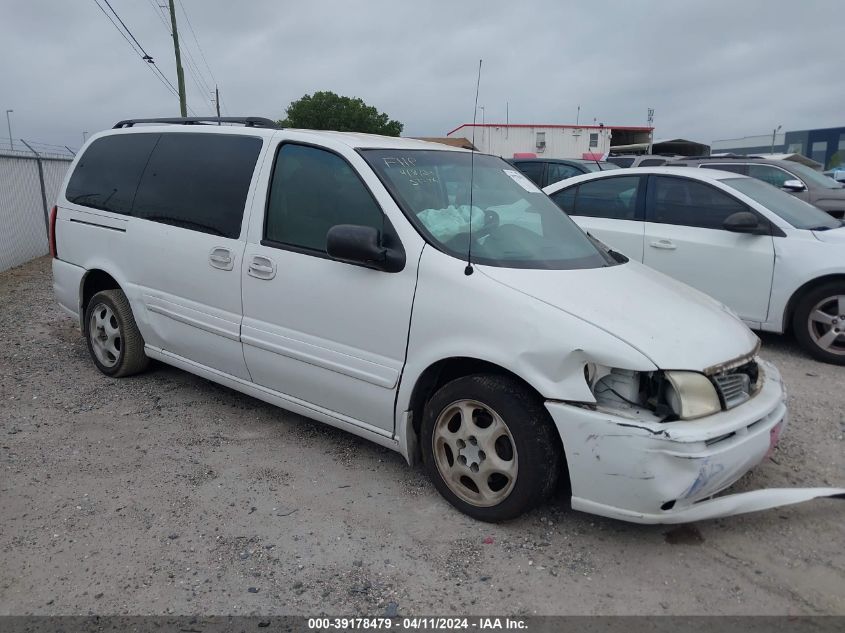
522,181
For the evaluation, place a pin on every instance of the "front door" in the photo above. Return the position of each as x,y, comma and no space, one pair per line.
328,334
684,239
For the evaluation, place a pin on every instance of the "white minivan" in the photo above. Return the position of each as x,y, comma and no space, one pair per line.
327,273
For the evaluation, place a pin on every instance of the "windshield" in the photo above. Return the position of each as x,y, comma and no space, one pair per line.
811,175
798,213
512,223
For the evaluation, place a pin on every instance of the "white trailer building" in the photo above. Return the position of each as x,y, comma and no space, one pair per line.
551,141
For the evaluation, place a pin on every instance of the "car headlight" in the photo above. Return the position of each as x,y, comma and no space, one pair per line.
691,395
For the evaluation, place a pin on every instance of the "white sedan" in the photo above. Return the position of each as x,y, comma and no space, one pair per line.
776,261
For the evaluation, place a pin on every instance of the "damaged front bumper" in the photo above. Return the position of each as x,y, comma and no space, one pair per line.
647,472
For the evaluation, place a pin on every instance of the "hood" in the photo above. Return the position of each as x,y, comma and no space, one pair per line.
832,236
673,325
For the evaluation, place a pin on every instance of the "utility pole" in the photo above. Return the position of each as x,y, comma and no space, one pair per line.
651,130
180,74
9,124
217,103
774,133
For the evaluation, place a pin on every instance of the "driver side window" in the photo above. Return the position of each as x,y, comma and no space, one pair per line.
687,202
769,174
311,191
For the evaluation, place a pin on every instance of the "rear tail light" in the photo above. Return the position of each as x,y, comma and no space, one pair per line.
53,213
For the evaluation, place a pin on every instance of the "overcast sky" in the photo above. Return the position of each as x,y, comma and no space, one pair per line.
711,70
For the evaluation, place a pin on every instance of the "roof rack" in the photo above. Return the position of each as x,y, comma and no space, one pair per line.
249,121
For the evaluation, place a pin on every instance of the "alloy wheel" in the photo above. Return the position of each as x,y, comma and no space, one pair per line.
105,336
475,453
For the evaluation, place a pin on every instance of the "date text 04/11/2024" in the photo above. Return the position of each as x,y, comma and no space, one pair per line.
416,623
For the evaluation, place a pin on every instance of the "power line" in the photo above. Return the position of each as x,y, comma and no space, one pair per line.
134,39
199,48
196,76
162,79
145,57
201,52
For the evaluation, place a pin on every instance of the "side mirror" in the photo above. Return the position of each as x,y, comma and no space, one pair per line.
794,185
743,222
361,245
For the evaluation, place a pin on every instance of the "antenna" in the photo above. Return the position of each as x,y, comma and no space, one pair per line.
468,270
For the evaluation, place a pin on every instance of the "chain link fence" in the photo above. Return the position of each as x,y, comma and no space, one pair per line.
30,177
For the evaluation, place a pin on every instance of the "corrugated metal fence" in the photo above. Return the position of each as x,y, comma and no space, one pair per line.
23,222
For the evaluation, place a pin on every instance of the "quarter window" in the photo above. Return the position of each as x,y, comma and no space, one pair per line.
107,174
612,198
198,182
312,191
690,203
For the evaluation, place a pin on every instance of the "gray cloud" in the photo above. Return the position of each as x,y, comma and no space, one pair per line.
711,70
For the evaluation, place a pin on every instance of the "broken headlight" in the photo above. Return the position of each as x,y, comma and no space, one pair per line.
670,395
690,395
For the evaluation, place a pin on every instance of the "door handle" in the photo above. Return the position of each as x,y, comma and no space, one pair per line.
667,245
261,267
221,257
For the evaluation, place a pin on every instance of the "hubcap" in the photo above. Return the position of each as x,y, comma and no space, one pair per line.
827,324
475,453
104,333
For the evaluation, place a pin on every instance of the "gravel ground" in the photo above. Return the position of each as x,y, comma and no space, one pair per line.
165,493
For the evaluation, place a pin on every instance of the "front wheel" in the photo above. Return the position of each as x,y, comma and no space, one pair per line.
490,446
819,323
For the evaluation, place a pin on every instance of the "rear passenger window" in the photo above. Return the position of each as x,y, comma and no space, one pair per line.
198,181
652,162
534,171
558,172
312,191
690,203
612,198
565,199
107,174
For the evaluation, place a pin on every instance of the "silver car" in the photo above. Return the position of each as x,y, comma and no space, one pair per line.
799,180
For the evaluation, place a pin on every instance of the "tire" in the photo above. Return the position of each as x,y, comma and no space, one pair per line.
521,457
819,322
113,339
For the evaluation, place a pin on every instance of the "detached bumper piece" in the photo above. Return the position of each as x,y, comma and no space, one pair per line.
645,472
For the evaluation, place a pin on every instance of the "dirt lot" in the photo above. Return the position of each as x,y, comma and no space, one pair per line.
165,493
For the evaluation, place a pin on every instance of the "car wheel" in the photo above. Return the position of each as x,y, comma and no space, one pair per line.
819,323
115,344
490,446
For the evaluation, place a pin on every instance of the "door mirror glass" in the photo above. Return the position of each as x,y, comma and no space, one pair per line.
356,244
794,185
742,222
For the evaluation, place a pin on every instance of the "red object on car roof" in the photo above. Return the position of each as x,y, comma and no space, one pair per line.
524,155
592,156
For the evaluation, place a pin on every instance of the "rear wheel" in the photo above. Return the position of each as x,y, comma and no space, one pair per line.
115,344
490,446
819,323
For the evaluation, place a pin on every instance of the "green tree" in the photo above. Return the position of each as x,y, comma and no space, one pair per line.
328,111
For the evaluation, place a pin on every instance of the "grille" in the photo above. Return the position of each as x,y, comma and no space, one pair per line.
734,389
